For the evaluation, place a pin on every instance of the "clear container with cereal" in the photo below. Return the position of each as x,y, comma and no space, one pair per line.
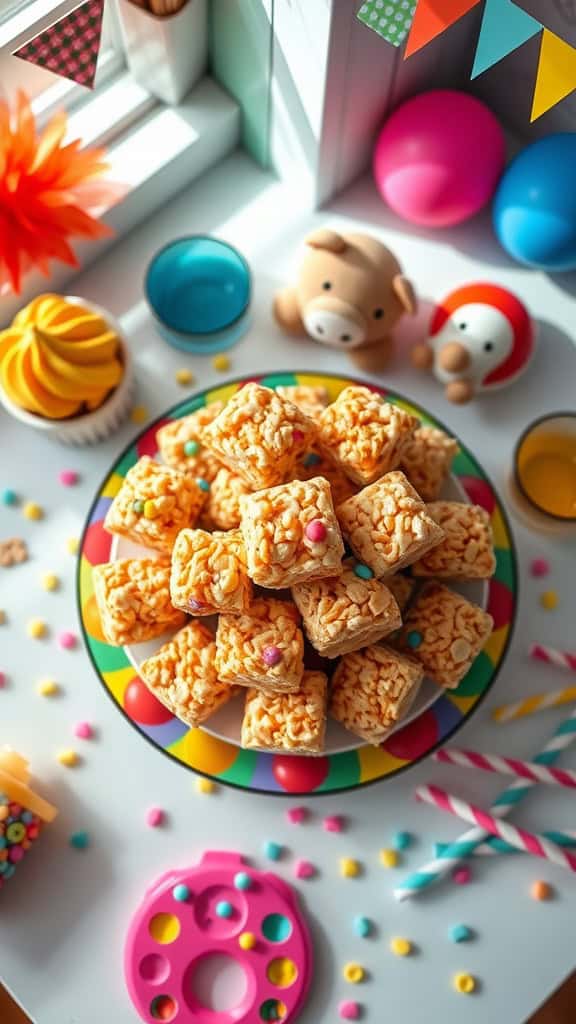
22,812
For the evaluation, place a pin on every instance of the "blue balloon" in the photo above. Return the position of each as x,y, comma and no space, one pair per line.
534,209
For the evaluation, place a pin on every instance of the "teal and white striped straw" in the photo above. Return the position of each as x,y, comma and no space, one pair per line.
494,844
467,843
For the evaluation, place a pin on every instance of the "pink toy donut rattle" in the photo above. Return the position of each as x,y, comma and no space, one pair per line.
219,907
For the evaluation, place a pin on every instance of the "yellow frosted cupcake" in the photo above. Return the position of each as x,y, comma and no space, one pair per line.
65,368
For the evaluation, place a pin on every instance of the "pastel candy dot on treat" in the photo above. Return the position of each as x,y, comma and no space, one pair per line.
151,509
272,850
50,581
316,531
297,815
69,758
67,640
181,893
297,436
138,507
362,926
9,497
271,656
32,511
353,973
242,881
311,459
221,363
184,376
401,947
247,940
79,840
68,477
464,983
402,840
224,909
349,1010
460,933
205,786
541,891
539,567
202,484
36,629
48,688
549,600
191,448
155,817
83,730
304,869
389,858
194,604
414,638
333,823
349,868
461,875
364,572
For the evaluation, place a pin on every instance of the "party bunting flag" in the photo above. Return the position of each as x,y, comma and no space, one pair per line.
432,17
69,47
556,75
391,19
504,28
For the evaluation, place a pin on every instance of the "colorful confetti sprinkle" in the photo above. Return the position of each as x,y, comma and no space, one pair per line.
297,815
400,947
349,1010
48,688
460,933
83,730
362,926
205,786
36,629
549,600
67,640
389,858
68,477
69,758
304,869
541,891
353,973
402,840
32,511
464,983
139,414
79,840
461,875
50,581
334,823
364,572
221,363
539,567
184,376
272,850
9,497
155,817
349,868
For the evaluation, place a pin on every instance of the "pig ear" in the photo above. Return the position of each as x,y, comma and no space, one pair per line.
404,291
324,238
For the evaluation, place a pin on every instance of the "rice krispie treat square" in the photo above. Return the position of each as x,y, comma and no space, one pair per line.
426,460
387,525
183,678
180,445
467,551
363,434
372,690
133,598
314,463
402,587
263,647
153,504
260,435
209,573
223,504
344,614
311,399
289,723
291,533
445,632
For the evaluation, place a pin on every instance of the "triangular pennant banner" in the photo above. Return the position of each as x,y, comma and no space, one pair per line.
69,47
433,17
391,19
504,28
556,75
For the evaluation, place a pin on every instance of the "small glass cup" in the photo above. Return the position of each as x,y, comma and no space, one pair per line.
544,473
198,289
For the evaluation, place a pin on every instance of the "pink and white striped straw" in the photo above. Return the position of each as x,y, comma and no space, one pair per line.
507,766
530,842
561,659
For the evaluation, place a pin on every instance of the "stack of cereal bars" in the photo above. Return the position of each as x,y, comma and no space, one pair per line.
290,520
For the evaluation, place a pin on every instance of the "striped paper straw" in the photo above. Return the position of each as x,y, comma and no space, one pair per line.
493,845
507,766
415,883
561,659
530,705
530,842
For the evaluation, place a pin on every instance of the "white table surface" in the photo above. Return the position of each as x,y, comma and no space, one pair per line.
64,915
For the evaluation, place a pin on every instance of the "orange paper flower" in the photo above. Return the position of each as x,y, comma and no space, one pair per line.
50,193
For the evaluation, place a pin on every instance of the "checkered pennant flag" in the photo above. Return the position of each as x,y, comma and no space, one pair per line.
69,47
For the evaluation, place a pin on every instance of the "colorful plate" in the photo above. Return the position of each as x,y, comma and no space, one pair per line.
223,760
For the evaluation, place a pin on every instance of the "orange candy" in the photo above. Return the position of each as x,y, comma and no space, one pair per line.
541,891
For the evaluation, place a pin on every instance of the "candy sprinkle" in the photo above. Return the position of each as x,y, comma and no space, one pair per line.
400,947
184,376
304,869
462,875
334,823
67,640
464,983
549,600
79,840
48,688
541,891
2,680
364,572
150,509
68,477
349,868
272,850
316,531
363,927
402,840
139,414
191,448
69,758
9,497
83,730
460,933
32,511
414,639
72,545
271,656
50,581
205,786
297,815
36,629
221,363
203,484
349,1010
389,858
353,973
155,817
539,567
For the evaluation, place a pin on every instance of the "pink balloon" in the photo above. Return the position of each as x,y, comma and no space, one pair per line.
439,157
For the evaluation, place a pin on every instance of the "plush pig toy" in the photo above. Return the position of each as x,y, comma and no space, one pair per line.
350,293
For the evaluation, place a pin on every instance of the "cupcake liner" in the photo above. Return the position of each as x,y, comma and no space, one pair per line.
90,427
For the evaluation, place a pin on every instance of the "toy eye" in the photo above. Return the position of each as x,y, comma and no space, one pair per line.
327,286
489,345
378,314
462,326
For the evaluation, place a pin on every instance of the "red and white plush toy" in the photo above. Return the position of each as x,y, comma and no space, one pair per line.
481,338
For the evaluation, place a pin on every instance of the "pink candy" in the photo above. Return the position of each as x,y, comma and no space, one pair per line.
271,656
155,817
461,875
316,531
67,640
333,823
297,436
539,567
68,477
2,679
297,815
349,1010
84,731
304,869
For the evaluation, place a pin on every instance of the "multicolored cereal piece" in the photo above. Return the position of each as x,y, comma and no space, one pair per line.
445,632
291,533
402,587
209,573
467,551
287,722
372,690
313,464
223,504
183,678
263,648
260,435
311,399
363,434
153,504
345,613
387,525
133,598
426,460
180,445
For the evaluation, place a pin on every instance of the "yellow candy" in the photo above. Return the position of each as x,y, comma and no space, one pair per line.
32,511
69,758
401,947
205,786
353,973
48,688
184,376
151,510
389,858
2,617
349,868
139,414
50,581
221,363
36,629
247,940
464,983
72,545
549,600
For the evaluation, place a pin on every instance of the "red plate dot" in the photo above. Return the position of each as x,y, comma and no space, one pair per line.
500,603
479,492
96,546
300,774
415,739
146,443
142,706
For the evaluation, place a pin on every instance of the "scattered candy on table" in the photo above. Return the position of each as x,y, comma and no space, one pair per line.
362,926
334,823
184,376
83,730
36,629
349,1010
48,688
272,850
205,786
221,363
353,973
297,815
68,477
13,552
79,840
304,869
2,616
389,858
402,840
67,640
549,600
349,868
464,983
460,933
155,817
50,581
541,891
9,497
2,680
539,567
69,758
139,414
72,545
32,511
401,947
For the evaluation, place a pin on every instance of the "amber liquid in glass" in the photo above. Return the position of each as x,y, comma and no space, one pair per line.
547,472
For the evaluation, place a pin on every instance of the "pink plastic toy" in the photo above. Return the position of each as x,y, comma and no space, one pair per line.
438,158
219,908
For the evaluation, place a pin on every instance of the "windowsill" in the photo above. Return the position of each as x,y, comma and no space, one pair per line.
161,151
